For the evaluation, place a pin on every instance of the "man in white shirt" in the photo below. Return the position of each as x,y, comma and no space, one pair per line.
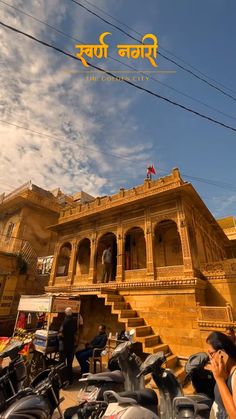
107,264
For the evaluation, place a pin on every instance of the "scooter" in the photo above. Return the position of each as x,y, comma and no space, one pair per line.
173,404
197,405
141,403
94,385
137,404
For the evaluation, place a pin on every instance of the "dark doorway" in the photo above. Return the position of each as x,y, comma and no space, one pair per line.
108,239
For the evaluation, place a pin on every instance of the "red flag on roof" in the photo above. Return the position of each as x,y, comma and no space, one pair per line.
151,170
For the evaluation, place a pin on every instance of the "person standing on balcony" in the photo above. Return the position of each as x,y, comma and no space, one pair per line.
107,264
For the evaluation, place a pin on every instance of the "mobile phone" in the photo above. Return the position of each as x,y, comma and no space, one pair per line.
223,355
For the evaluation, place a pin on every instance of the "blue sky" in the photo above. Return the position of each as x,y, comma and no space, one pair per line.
42,91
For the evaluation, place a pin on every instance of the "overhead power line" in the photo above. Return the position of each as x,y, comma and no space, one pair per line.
121,62
216,183
161,54
160,47
118,78
62,140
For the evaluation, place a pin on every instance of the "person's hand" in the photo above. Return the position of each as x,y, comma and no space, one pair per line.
219,369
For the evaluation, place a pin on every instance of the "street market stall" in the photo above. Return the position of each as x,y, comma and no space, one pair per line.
39,319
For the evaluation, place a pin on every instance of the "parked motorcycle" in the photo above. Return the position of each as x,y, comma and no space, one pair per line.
173,403
37,401
12,377
94,385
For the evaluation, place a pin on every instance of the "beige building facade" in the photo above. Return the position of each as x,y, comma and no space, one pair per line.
25,214
173,270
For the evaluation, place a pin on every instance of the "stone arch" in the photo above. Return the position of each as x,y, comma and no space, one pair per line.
105,240
167,244
63,259
83,257
135,249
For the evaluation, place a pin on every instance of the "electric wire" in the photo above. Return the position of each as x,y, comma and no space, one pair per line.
161,54
118,78
161,47
216,183
117,60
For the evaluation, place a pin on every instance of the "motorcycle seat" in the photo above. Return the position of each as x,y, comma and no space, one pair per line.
201,399
109,376
145,397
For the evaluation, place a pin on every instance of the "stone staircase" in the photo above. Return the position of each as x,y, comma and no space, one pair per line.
144,334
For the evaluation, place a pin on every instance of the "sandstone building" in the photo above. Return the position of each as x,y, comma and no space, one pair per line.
173,266
24,215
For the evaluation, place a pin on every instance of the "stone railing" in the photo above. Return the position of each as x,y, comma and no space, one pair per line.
211,318
221,268
135,275
149,188
169,271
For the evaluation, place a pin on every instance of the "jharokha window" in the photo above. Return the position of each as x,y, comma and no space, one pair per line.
64,260
10,228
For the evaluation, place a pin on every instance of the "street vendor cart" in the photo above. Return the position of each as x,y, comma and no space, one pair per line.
39,318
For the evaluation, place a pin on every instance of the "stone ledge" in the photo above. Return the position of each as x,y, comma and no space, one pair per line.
206,325
101,288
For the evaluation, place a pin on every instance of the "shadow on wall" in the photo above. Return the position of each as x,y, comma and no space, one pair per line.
94,313
220,292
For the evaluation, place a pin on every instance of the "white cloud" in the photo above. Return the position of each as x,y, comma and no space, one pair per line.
39,93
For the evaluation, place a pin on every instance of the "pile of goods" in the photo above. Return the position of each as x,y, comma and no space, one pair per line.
23,335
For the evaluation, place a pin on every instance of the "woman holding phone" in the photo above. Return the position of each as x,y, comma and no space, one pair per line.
222,352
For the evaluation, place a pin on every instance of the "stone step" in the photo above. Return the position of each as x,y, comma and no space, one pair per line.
150,341
162,347
121,305
114,298
143,331
172,362
135,321
126,314
110,291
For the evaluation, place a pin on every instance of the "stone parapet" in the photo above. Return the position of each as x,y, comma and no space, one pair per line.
123,197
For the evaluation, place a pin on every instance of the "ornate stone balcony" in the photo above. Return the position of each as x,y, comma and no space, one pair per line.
221,269
210,317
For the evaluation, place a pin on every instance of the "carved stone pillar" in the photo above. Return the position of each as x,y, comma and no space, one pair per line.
149,246
185,242
72,264
120,255
53,273
92,266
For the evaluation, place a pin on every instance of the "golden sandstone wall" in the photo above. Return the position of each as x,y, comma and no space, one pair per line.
33,228
172,315
171,256
219,292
